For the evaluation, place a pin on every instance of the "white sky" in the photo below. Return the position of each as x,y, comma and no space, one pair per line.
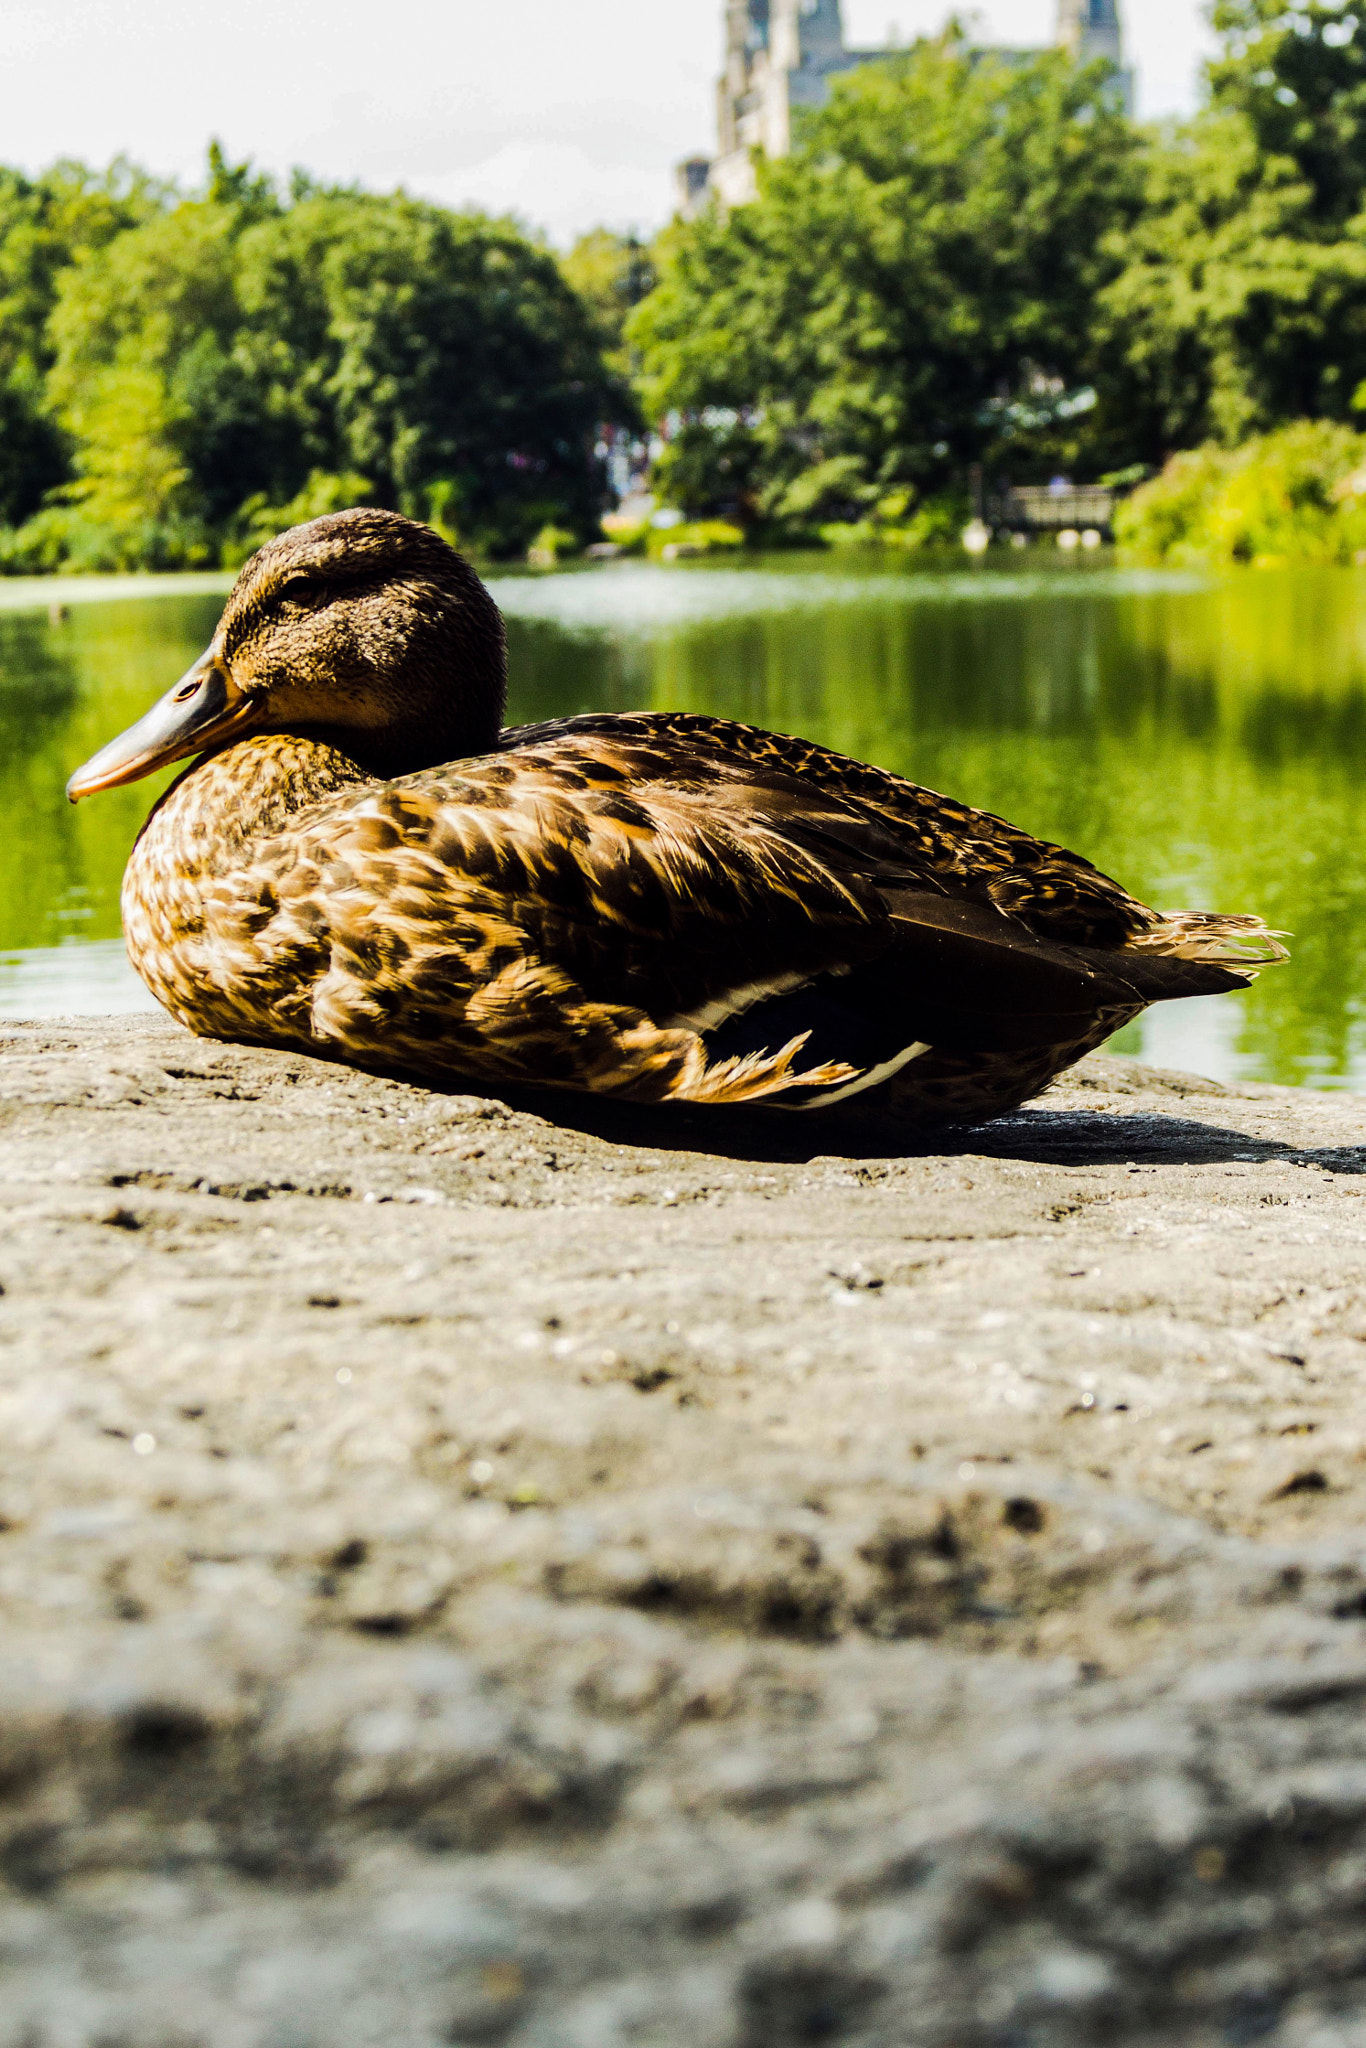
568,112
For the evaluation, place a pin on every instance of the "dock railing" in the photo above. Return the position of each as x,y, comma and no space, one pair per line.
1043,508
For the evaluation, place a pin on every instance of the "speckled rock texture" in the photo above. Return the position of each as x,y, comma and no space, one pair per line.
476,1572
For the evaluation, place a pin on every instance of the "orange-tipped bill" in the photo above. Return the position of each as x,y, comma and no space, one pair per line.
204,708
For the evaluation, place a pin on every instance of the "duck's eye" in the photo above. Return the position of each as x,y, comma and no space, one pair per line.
298,590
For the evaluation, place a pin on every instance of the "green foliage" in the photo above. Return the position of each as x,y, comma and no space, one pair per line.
142,333
693,537
1297,76
896,521
47,224
667,543
714,460
1241,302
441,355
32,453
183,373
626,532
911,291
1298,495
610,274
550,546
966,259
251,195
259,521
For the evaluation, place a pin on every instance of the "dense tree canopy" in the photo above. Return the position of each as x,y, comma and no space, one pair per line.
46,225
912,291
1297,75
967,261
207,367
970,260
1242,298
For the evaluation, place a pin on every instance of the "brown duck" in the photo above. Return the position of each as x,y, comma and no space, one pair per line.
363,864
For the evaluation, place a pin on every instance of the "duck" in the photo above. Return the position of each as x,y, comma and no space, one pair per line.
362,862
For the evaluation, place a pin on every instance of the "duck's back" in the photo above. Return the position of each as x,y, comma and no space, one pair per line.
1006,955
947,844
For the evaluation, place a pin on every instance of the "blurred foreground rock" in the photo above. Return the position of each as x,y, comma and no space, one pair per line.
468,1576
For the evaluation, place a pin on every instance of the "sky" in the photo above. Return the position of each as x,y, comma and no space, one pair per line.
569,113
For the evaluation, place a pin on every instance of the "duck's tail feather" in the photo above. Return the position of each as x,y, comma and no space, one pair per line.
970,975
1245,943
962,979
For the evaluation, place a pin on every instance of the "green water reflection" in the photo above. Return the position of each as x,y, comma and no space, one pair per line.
1202,739
66,685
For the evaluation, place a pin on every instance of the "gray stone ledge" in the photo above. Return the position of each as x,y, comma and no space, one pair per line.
486,1572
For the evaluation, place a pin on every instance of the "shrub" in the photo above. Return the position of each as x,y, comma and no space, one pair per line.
1297,495
893,524
693,537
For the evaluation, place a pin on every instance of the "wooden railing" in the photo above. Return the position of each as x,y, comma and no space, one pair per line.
1039,508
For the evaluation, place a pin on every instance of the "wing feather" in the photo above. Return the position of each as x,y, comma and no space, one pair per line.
665,906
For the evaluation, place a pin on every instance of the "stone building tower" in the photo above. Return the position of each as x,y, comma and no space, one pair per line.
782,55
1090,29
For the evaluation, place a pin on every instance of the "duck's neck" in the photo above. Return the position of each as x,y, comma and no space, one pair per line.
226,803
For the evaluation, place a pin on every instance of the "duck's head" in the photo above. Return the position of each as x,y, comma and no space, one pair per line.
363,629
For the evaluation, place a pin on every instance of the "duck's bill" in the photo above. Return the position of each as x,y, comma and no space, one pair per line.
204,708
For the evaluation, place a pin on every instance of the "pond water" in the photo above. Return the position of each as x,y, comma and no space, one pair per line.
1201,738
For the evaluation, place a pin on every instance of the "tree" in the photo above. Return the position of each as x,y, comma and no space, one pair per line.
46,225
1297,76
213,362
912,291
1241,302
610,274
168,436
441,355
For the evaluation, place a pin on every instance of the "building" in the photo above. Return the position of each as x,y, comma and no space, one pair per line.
1090,29
781,56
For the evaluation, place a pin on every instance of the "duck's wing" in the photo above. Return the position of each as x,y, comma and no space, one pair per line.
1053,892
532,922
562,917
617,912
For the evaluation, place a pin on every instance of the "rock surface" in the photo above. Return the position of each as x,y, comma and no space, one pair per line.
488,1573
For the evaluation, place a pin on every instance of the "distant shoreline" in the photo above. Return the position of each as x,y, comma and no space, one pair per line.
41,593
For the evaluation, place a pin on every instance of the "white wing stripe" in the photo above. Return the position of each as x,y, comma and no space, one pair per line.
733,1003
871,1079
